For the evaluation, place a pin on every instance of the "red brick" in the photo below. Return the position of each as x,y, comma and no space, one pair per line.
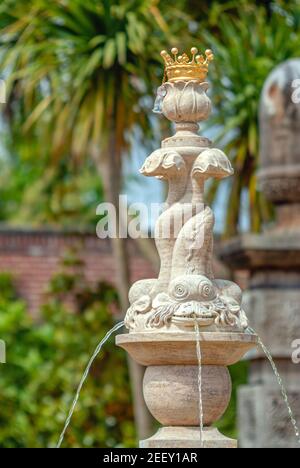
33,257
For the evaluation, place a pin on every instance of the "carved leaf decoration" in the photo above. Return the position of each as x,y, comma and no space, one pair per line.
140,306
212,163
161,162
152,163
173,159
143,304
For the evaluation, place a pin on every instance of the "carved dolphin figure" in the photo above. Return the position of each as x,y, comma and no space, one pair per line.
183,300
193,248
139,299
167,164
195,297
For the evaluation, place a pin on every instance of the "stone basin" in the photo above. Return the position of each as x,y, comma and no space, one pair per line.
163,348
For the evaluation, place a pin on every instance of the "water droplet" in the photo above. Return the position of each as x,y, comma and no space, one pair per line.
160,94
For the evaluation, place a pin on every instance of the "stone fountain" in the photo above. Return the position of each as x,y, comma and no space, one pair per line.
166,313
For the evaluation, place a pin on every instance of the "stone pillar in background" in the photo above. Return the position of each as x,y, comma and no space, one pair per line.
273,260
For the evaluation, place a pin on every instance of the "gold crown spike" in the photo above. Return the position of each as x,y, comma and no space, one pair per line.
182,68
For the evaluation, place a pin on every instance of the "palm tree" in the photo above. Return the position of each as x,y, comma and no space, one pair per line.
78,71
248,41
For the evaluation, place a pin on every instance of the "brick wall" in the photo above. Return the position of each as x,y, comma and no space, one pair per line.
33,256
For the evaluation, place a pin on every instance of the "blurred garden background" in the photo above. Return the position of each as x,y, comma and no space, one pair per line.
80,79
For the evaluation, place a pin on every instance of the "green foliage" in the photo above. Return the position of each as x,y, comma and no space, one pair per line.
84,67
79,74
227,424
77,77
248,40
45,362
35,193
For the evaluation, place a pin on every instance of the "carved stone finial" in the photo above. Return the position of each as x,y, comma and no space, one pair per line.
279,174
185,289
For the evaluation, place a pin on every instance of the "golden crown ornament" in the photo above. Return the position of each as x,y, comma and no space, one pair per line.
182,68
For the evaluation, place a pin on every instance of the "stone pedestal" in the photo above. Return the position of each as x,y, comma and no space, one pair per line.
273,260
188,437
171,387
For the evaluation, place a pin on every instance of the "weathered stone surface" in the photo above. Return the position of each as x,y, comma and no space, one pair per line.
269,250
263,417
171,386
262,373
188,437
172,394
160,349
280,134
275,315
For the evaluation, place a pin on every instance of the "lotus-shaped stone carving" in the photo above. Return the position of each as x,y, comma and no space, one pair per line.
186,101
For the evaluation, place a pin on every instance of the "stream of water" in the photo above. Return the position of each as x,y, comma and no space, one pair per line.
199,357
280,382
84,377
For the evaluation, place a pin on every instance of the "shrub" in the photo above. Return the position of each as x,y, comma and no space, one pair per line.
45,361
